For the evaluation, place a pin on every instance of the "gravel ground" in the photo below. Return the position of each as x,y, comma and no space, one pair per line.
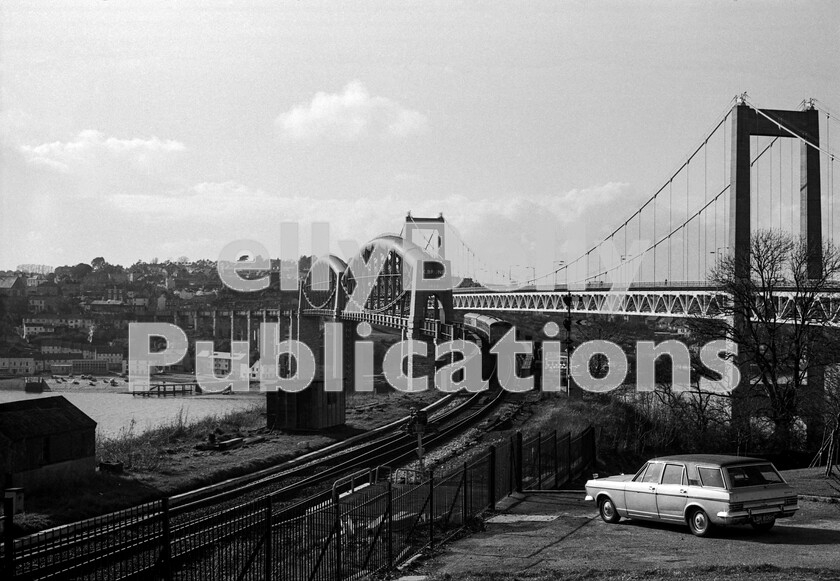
574,538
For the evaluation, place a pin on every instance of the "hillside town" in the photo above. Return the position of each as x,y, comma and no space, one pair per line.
73,320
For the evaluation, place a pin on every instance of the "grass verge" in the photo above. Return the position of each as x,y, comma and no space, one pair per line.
145,450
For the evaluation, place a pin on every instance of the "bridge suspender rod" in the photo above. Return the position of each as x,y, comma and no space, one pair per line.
683,225
829,172
705,219
780,187
697,213
755,184
726,181
670,226
684,165
685,234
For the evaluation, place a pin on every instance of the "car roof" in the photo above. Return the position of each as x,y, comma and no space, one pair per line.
710,459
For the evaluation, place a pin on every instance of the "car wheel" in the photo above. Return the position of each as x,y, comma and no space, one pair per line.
699,523
763,527
607,509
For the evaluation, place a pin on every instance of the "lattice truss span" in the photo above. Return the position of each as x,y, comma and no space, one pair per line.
673,304
783,306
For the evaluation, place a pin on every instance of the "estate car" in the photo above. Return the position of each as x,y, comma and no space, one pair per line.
699,490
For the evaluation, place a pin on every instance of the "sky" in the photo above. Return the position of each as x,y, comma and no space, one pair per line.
138,129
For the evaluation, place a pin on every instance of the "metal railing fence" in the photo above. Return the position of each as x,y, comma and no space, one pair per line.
332,536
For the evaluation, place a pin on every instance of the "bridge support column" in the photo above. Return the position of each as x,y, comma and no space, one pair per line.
315,408
810,194
747,122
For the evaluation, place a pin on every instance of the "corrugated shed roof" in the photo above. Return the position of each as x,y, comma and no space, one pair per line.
40,417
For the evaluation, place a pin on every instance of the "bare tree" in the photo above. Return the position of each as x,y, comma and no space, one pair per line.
831,411
778,319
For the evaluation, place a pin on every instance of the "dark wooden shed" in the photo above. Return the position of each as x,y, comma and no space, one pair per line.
45,441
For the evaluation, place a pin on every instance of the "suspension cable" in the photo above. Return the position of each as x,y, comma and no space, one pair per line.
795,133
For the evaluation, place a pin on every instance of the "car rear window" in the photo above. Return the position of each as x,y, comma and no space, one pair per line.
711,477
757,475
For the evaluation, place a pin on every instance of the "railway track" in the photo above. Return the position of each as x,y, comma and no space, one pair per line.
196,515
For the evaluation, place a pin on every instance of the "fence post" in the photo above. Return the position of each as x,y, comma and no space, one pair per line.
431,509
517,465
539,460
268,539
510,465
554,459
390,509
166,549
568,456
491,478
465,501
337,525
8,538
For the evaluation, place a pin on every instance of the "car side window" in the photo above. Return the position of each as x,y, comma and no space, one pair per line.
711,477
653,473
673,474
640,474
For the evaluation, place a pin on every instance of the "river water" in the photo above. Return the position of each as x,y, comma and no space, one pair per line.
113,409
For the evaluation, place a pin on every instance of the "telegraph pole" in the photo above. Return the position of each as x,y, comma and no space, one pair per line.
567,323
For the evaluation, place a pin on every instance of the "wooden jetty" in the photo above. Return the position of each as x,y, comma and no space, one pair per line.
166,389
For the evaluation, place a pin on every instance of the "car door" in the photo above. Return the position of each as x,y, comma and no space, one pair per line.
672,493
640,493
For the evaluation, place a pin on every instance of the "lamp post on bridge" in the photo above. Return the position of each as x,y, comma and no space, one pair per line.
559,264
510,271
717,253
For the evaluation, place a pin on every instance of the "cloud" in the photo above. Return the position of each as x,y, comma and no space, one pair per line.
348,116
516,231
92,148
206,202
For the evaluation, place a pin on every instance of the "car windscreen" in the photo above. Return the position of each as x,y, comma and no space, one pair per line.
755,475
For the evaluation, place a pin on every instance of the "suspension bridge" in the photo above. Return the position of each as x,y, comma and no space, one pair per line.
755,169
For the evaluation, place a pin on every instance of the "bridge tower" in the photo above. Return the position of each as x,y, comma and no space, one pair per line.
804,124
427,233
747,122
430,235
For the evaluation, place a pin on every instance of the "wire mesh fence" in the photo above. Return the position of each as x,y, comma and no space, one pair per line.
332,536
